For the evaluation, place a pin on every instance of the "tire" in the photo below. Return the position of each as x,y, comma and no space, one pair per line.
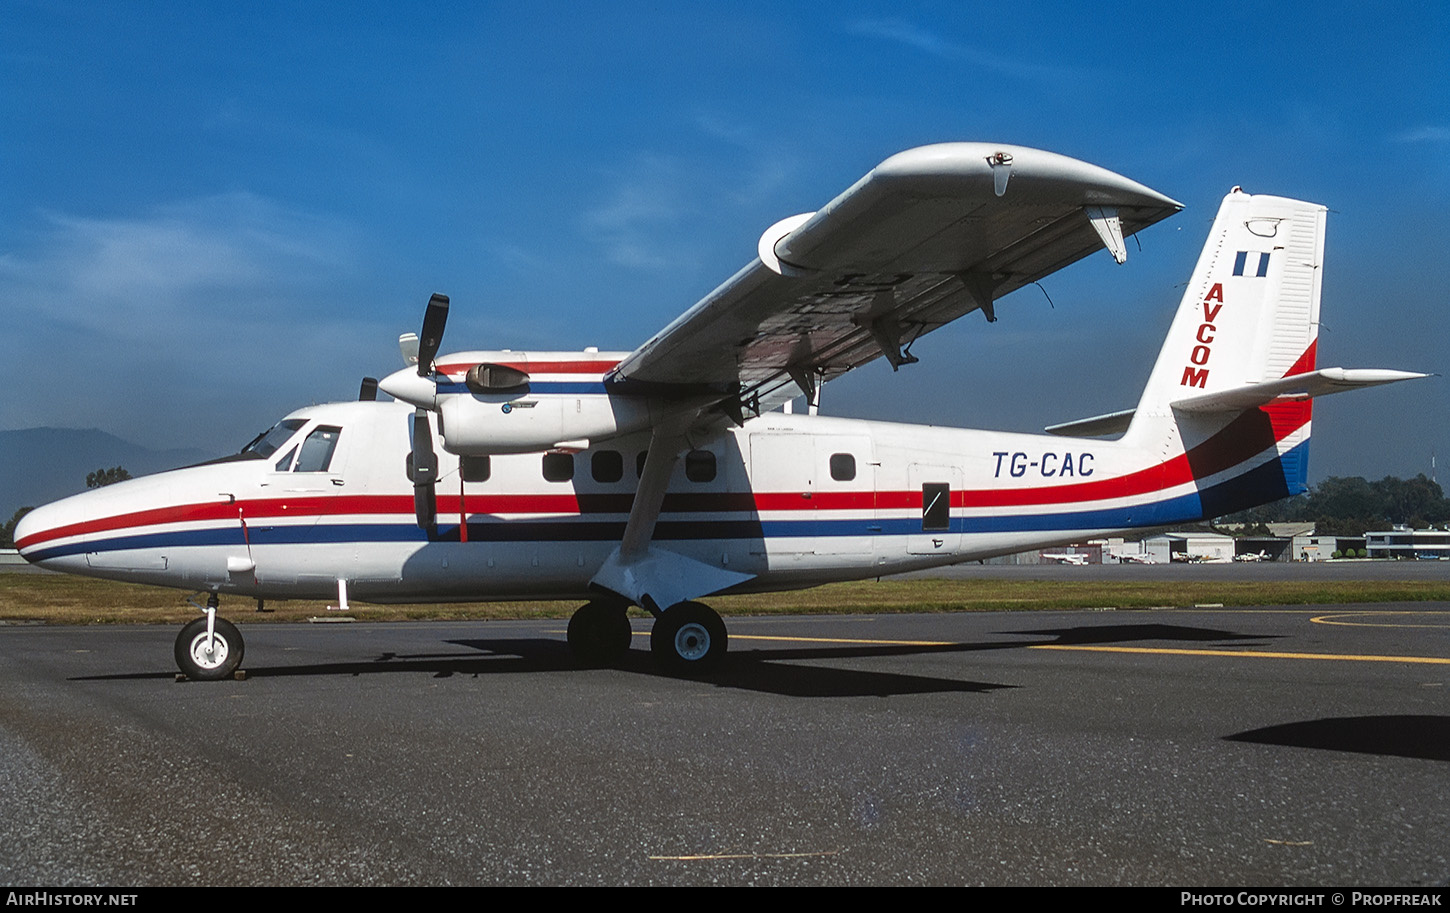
689,638
599,633
191,656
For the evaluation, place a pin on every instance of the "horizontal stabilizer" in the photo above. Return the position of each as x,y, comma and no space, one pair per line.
1294,387
1097,426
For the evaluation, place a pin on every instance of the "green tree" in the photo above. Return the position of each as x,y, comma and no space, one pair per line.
7,530
107,476
1351,506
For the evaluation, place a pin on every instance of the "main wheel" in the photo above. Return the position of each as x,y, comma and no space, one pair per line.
688,638
599,633
199,663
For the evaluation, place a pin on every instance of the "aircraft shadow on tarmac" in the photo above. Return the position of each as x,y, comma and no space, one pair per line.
1423,737
784,671
1111,634
756,670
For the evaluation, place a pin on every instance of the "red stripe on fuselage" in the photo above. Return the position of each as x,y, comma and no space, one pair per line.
540,367
1247,435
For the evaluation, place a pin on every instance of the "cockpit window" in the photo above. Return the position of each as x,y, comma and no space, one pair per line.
266,443
317,450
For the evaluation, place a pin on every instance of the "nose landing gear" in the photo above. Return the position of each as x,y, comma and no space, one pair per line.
209,649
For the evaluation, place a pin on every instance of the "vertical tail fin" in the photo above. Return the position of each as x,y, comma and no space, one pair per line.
1250,315
1251,311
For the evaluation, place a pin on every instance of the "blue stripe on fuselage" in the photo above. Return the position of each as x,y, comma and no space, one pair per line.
1259,485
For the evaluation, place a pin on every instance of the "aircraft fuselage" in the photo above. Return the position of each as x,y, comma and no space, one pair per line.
789,500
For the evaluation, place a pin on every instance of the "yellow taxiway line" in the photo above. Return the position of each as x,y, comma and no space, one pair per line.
1170,651
1166,651
1337,619
1255,654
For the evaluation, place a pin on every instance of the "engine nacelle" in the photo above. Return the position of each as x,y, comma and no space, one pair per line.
477,424
522,402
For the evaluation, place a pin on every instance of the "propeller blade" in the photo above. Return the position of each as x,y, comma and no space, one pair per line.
434,320
368,392
425,471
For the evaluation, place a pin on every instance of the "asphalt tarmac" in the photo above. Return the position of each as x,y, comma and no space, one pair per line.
1269,746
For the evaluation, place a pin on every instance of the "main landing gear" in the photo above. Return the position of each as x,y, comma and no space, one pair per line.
599,633
209,649
688,638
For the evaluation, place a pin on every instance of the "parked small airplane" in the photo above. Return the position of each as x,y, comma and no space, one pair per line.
1136,558
1066,558
1252,556
656,477
1197,558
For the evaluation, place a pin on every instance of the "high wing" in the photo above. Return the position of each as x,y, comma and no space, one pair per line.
928,235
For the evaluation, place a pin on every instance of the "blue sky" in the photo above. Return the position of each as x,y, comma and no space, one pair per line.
211,214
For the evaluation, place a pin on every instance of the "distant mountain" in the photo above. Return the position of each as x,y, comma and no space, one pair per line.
42,464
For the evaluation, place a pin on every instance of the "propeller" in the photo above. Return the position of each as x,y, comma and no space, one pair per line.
424,464
421,390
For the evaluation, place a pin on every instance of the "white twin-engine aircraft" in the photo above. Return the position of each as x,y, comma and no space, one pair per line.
656,477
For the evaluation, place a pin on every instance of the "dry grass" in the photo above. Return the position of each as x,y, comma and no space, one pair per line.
59,599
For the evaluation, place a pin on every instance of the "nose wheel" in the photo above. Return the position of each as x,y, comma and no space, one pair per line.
209,649
688,639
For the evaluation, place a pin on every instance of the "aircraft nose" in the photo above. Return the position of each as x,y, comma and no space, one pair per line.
48,534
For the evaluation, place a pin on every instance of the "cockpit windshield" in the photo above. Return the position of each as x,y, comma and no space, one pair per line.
266,443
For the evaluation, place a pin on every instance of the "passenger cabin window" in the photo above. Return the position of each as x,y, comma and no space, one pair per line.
700,466
843,467
558,467
475,468
318,449
607,466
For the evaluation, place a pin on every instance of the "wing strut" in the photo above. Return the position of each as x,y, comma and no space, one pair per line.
665,446
652,577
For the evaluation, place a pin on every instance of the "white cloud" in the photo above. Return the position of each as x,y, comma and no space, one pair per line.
917,38
1427,134
187,261
148,324
641,214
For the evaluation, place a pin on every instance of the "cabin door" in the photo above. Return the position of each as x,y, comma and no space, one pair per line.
933,529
